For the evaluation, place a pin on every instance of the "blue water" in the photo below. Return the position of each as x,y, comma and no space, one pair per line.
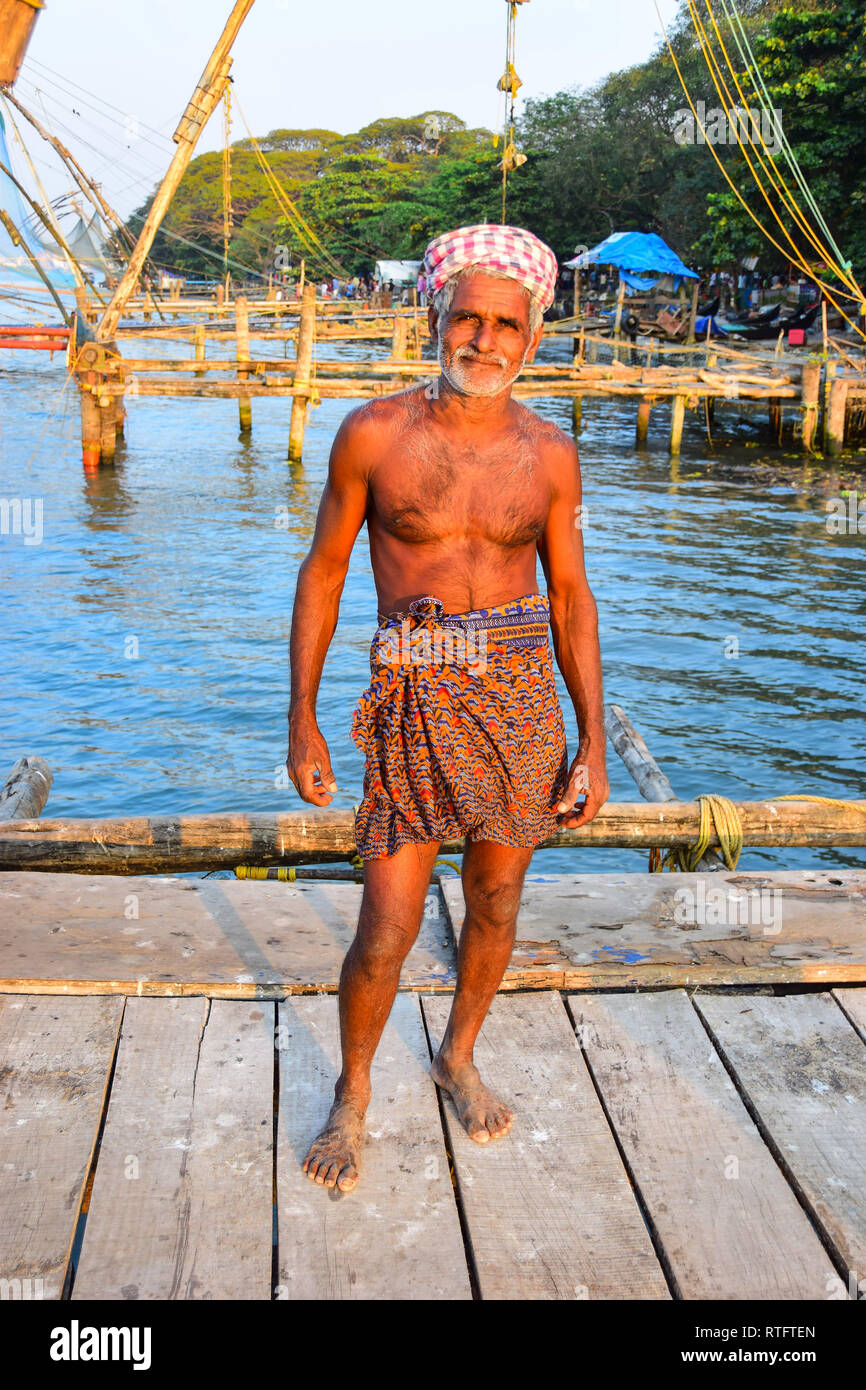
144,646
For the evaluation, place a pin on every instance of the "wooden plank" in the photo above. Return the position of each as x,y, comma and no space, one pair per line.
802,1066
397,1234
182,1202
853,1002
549,1209
729,1224
57,1056
64,933
588,931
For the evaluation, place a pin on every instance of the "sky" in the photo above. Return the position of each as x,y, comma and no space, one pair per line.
111,77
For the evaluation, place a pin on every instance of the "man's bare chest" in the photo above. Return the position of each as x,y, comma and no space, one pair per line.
433,494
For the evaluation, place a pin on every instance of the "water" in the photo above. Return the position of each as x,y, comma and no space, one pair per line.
144,648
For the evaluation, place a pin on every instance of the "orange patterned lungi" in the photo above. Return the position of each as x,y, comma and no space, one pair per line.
462,728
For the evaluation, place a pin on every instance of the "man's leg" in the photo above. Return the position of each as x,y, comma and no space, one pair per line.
392,907
492,882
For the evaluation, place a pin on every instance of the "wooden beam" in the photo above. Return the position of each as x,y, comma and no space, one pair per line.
25,790
205,97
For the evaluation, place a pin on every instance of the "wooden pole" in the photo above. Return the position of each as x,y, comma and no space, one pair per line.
829,375
678,415
620,300
303,364
242,330
810,395
91,428
836,416
693,313
199,339
205,97
188,843
25,790
775,418
652,783
643,419
576,343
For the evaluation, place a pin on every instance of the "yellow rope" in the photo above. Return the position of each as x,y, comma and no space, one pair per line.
717,813
227,178
451,864
822,800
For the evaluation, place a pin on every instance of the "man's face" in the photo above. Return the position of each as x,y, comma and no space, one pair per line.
484,339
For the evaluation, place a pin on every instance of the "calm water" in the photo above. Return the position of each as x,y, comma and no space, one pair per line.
144,646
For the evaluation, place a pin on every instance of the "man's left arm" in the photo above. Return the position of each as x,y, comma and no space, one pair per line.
574,627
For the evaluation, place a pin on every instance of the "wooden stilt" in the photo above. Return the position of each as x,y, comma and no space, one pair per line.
620,300
775,414
693,313
643,419
810,396
836,416
303,363
576,414
678,414
91,429
107,406
242,329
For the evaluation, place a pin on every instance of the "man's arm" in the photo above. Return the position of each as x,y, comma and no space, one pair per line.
574,626
320,583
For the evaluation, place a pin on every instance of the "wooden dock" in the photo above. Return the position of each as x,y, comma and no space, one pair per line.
689,1086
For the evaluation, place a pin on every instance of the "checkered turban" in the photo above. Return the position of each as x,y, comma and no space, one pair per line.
511,250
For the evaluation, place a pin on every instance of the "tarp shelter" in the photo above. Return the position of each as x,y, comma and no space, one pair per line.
641,258
399,272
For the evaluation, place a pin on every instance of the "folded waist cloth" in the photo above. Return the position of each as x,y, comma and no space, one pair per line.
462,728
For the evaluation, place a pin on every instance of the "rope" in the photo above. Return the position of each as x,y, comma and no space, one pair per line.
450,863
227,178
717,813
729,829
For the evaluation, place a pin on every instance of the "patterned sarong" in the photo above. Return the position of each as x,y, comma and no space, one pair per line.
462,728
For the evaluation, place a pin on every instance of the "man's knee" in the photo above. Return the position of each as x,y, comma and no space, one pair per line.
494,902
384,939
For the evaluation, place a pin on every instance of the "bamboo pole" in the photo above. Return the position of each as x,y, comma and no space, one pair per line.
188,843
242,328
205,97
303,364
810,396
693,313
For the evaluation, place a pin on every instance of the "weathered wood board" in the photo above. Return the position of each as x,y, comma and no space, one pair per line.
727,1221
853,1002
802,1065
56,1061
586,931
69,933
182,1200
397,1234
549,1209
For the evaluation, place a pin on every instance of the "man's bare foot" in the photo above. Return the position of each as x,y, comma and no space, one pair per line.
335,1154
483,1115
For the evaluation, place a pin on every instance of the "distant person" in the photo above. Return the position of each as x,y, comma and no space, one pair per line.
422,290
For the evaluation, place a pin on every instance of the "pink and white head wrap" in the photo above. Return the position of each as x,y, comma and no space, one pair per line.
511,250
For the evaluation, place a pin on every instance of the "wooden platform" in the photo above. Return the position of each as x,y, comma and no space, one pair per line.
695,1142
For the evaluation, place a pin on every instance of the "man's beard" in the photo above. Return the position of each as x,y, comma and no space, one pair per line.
461,378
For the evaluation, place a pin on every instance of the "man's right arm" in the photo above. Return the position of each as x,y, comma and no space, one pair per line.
321,577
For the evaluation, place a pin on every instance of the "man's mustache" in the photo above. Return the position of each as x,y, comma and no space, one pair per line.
476,356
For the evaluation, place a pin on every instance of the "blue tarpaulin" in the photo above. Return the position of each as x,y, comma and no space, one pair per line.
640,257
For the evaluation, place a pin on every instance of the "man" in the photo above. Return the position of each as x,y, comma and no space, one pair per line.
462,489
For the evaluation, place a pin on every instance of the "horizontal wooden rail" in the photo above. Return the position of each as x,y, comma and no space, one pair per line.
187,843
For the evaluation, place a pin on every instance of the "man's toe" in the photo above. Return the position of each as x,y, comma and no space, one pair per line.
347,1178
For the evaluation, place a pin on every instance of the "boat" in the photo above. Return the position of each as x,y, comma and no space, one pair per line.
769,327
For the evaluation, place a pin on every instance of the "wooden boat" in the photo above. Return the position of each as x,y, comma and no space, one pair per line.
769,327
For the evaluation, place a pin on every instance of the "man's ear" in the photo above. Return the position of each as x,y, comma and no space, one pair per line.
533,342
433,323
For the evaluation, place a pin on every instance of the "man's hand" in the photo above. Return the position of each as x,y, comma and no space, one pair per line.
309,763
587,775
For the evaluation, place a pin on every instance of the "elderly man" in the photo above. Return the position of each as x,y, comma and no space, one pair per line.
462,489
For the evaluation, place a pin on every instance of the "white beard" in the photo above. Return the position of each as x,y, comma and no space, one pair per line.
461,377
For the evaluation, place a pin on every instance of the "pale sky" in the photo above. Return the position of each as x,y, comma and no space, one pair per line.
113,76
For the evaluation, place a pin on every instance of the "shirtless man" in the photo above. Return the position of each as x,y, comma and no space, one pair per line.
462,490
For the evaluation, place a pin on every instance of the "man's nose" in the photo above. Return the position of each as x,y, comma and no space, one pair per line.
484,339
